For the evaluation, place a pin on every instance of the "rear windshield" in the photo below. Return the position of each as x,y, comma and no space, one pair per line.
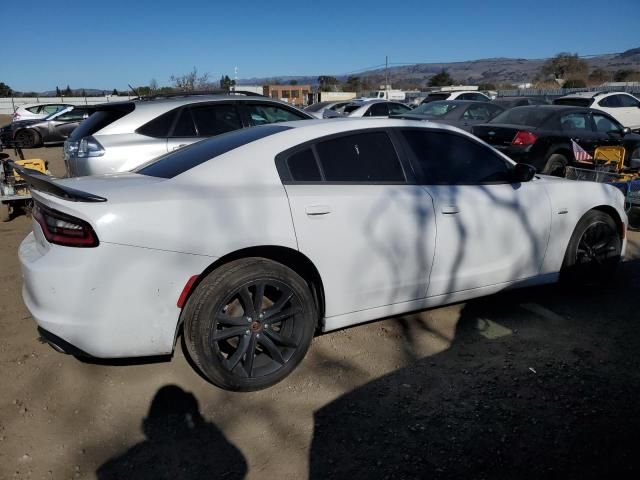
575,102
100,119
531,116
175,163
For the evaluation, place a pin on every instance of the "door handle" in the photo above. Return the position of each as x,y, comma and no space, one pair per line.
179,146
315,210
450,210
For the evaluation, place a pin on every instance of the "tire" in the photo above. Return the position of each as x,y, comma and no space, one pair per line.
222,325
556,165
594,251
634,219
5,212
27,139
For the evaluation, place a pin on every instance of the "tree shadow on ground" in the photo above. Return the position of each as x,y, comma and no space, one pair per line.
180,444
538,383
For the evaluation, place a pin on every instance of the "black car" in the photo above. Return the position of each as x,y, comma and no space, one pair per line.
459,113
51,130
541,135
510,102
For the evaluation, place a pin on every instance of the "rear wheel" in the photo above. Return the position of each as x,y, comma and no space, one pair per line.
594,250
27,139
556,165
249,324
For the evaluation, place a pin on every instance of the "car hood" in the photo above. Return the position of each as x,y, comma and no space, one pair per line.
21,123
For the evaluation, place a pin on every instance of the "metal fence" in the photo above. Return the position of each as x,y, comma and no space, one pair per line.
558,92
9,105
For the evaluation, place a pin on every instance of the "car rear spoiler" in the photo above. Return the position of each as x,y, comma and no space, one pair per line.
45,183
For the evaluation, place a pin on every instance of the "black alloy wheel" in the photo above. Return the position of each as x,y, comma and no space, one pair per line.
26,139
594,250
249,324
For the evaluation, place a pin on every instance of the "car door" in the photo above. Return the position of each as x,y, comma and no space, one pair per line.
199,121
361,219
490,231
577,125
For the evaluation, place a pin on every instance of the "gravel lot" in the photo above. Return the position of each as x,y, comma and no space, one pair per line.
537,383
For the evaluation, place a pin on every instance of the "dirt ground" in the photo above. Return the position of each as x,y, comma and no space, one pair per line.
536,383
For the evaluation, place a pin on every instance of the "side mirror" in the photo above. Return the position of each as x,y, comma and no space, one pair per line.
523,172
626,131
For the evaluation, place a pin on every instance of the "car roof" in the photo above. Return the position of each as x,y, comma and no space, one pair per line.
585,94
457,102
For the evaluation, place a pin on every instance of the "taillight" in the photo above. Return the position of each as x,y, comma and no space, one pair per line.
89,147
63,229
524,138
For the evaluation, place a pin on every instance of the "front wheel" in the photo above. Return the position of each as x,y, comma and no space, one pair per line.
593,252
249,323
27,139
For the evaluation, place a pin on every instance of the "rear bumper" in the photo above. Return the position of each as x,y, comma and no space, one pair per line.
110,301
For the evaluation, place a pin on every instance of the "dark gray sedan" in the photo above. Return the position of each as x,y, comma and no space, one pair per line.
51,130
463,114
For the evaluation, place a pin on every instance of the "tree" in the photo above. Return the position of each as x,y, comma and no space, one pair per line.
353,84
191,81
115,92
487,86
626,76
328,83
67,91
143,91
293,82
599,75
226,83
153,85
441,79
565,65
58,92
5,90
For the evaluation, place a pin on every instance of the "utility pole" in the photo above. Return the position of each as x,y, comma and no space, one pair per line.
386,75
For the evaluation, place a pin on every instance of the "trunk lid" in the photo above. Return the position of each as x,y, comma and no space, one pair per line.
499,134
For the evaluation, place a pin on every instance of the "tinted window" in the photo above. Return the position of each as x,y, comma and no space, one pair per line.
479,97
33,109
351,108
575,102
303,166
159,127
175,163
531,116
184,126
575,121
215,119
605,125
395,108
51,108
378,110
628,101
100,119
447,159
610,102
262,114
363,157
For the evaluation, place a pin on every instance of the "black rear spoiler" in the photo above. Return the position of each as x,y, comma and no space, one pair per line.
44,183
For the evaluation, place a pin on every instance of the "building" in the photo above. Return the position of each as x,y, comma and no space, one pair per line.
294,94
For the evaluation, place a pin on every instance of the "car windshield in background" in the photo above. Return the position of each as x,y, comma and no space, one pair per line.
435,109
574,102
175,163
531,116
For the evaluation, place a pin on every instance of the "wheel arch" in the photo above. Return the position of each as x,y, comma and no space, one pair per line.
35,132
293,259
613,213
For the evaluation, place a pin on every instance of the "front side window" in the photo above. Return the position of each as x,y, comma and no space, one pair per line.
628,101
363,157
213,120
605,124
575,121
378,110
448,159
612,101
262,114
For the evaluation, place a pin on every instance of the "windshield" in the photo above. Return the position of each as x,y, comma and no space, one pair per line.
531,116
53,115
435,109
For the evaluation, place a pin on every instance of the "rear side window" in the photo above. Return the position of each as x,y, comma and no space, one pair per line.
184,126
159,126
628,101
363,157
612,101
175,163
378,110
575,121
100,119
447,159
303,166
33,109
215,119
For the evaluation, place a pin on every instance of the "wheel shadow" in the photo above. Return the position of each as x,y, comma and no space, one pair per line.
538,383
179,443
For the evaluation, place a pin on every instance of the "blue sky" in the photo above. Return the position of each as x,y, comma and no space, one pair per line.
116,43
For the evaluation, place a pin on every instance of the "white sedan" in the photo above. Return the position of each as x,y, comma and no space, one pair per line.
251,241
